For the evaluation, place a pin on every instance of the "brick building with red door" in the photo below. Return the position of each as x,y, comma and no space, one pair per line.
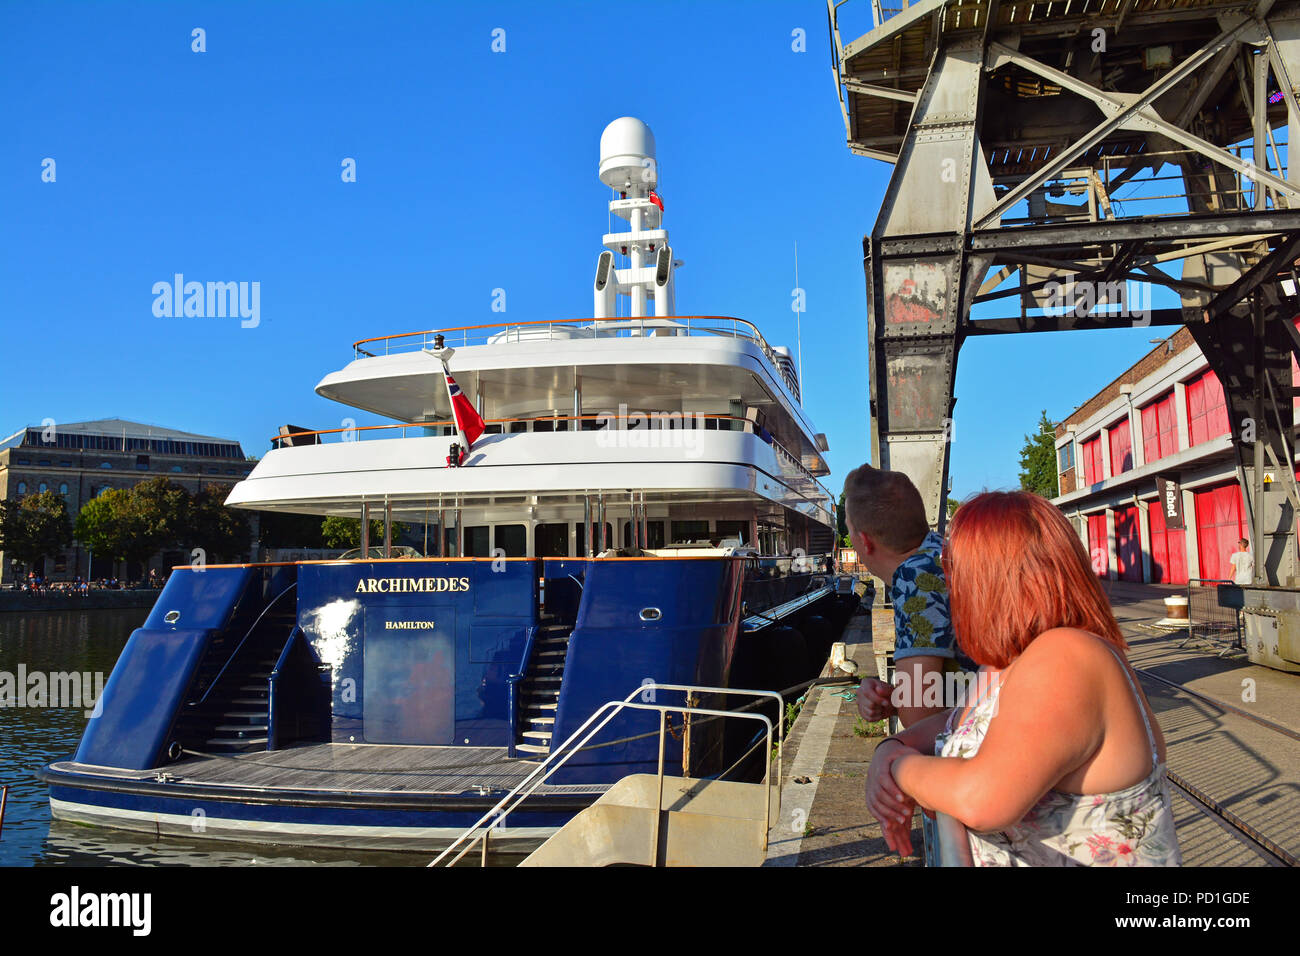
1164,418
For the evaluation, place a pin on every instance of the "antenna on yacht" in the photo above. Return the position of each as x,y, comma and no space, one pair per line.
627,165
798,313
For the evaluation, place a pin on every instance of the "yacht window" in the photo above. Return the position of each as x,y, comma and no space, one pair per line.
516,427
543,425
735,530
551,540
595,539
492,429
654,534
512,539
476,542
687,531
449,543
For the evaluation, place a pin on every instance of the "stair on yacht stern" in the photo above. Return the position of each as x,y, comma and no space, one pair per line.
539,692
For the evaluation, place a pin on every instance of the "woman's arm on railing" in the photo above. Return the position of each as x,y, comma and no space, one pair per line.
1049,721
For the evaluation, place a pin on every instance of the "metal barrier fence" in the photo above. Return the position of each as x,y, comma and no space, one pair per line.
1210,619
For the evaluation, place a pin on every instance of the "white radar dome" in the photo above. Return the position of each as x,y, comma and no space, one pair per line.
627,154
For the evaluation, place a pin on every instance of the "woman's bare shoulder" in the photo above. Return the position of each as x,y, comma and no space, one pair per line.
1066,647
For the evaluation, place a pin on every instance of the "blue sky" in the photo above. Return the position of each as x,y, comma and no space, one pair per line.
475,170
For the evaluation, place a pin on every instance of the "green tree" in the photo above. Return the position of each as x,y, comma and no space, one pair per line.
223,533
35,527
339,532
106,524
158,513
952,506
1038,459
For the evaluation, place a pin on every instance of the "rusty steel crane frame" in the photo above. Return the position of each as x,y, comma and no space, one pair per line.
990,110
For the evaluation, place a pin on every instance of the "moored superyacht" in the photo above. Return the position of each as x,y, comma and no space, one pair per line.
565,511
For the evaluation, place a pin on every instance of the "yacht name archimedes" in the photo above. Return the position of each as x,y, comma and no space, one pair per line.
406,585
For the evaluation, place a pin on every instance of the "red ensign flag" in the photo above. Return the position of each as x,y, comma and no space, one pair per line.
468,420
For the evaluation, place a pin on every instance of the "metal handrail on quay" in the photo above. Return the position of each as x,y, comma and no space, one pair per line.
481,829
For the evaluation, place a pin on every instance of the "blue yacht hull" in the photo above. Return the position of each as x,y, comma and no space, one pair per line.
389,703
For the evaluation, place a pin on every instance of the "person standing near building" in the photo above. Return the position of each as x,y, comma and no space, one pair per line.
1243,563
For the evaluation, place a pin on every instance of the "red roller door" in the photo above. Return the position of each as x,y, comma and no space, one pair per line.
1098,547
1220,522
1159,429
1120,436
1168,549
1128,544
1207,410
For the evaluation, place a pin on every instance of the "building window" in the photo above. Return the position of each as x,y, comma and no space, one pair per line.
1207,410
1120,436
106,464
1092,470
22,487
42,487
1159,428
176,467
65,464
63,488
1065,458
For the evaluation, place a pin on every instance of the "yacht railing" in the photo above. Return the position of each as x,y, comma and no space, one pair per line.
482,828
681,420
566,330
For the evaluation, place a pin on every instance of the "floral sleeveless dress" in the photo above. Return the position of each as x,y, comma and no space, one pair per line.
1130,827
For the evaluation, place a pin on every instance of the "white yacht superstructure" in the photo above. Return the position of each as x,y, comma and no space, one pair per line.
678,428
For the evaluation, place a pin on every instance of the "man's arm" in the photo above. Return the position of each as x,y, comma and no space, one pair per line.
905,699
909,696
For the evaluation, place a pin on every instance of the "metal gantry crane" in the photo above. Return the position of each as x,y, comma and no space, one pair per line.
1098,146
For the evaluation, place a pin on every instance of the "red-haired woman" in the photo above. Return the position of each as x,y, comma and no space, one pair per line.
1064,761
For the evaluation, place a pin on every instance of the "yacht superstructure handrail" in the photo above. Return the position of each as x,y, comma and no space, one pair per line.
545,329
747,426
482,828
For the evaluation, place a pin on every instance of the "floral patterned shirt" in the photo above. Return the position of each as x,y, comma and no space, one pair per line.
922,621
1129,827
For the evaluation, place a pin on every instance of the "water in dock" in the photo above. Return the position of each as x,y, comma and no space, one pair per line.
88,642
